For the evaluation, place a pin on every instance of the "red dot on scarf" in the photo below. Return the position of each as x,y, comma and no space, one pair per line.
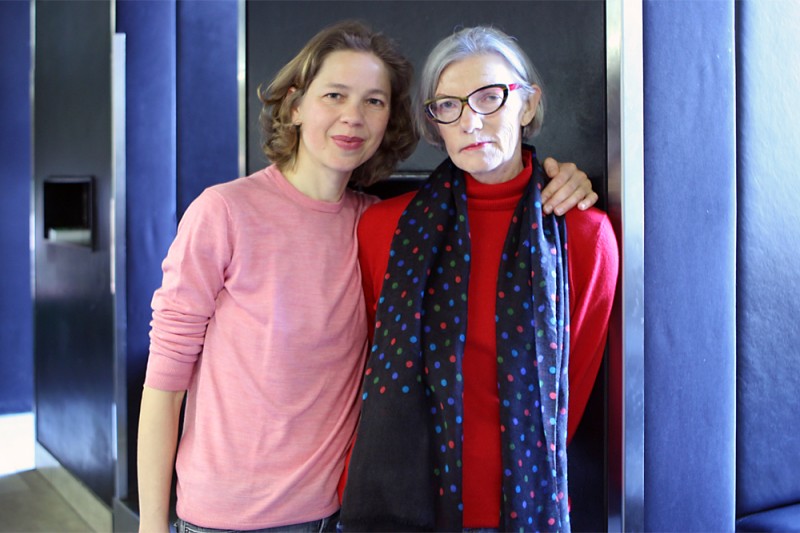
431,291
452,358
553,345
501,294
443,325
527,412
552,395
446,184
393,341
439,227
448,248
534,225
417,316
451,444
383,389
403,294
368,371
520,329
409,364
510,377
415,250
513,514
377,324
551,521
458,279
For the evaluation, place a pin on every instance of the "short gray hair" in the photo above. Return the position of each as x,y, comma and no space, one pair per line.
460,45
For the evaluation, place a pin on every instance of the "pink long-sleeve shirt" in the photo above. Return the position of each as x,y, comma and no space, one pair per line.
261,318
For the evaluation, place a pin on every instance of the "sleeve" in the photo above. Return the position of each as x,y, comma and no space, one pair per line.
593,270
368,242
193,275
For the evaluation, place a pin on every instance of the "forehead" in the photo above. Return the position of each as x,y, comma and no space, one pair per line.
355,69
470,73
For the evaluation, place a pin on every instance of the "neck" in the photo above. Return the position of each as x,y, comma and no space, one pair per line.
327,188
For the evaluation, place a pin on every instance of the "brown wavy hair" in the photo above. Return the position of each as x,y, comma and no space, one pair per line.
280,137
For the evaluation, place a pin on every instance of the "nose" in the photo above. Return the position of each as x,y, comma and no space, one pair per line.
352,113
469,120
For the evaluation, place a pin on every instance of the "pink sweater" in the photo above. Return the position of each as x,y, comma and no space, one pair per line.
261,317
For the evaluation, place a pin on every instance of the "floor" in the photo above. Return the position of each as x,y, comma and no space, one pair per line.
28,502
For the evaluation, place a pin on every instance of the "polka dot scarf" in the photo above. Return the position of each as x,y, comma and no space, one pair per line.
405,471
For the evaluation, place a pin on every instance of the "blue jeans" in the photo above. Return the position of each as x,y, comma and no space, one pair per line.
315,526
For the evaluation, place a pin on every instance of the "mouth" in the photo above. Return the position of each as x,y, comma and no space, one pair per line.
348,143
475,146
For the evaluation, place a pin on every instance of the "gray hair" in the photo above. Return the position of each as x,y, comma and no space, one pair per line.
460,45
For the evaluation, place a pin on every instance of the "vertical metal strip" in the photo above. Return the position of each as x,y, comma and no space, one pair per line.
118,262
241,77
624,61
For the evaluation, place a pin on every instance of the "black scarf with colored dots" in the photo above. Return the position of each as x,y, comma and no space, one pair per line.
405,471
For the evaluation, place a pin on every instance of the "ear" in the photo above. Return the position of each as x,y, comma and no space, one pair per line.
530,104
295,107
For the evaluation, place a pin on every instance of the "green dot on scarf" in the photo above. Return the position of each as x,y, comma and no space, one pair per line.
499,360
510,311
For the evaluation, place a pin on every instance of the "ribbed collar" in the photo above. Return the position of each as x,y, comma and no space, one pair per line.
499,196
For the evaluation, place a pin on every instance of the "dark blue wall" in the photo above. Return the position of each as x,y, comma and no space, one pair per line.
16,310
768,278
182,136
207,91
690,255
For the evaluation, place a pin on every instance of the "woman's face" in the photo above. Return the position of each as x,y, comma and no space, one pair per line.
489,147
343,114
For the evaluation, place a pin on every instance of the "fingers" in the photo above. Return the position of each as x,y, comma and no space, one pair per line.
563,179
568,187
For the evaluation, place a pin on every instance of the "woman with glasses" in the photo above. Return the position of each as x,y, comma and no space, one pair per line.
487,333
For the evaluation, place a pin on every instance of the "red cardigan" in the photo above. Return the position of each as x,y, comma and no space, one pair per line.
593,267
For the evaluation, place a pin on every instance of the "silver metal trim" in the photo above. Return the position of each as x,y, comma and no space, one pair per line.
241,78
117,259
625,123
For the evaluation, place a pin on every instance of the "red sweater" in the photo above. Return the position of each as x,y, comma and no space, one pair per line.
593,265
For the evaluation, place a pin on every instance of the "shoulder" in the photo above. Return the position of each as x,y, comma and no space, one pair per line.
589,226
384,214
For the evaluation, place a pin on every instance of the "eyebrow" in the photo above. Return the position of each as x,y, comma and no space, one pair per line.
343,86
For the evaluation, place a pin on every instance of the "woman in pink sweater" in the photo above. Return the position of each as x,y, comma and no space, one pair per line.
261,317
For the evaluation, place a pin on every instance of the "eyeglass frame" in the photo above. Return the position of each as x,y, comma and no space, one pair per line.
507,88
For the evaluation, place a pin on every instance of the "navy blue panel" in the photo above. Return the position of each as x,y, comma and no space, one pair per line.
151,176
690,225
768,297
16,309
207,96
783,519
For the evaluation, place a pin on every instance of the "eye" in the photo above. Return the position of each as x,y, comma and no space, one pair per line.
376,102
333,96
445,105
491,98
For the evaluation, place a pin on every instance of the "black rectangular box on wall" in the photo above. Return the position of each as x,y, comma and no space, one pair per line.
68,210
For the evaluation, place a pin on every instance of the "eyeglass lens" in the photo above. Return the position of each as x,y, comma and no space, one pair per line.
484,101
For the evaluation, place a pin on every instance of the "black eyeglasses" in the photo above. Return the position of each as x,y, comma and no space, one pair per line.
483,101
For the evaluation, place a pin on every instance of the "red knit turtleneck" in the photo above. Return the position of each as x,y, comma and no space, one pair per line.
593,266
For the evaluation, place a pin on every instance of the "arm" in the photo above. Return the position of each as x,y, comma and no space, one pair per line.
569,187
158,438
593,267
